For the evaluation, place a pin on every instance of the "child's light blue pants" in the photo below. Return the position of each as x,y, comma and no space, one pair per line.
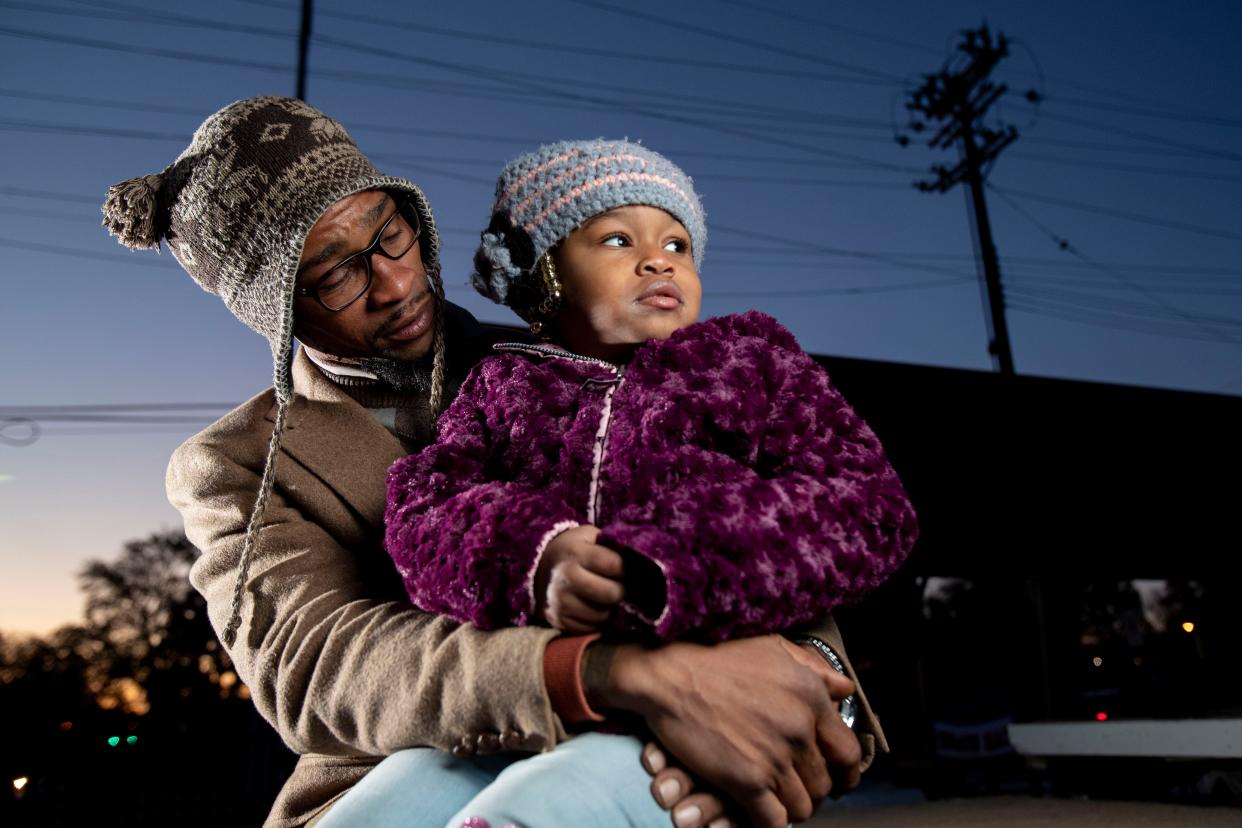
593,779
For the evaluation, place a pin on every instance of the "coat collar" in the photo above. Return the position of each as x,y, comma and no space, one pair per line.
339,441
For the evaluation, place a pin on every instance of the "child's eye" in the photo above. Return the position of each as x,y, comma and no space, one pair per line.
615,240
676,246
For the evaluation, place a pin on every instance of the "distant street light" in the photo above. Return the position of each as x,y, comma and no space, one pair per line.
19,786
1188,626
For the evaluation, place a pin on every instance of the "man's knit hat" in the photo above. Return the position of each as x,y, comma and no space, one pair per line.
545,195
235,209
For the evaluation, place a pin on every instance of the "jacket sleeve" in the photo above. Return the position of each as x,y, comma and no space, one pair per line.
339,664
812,519
467,542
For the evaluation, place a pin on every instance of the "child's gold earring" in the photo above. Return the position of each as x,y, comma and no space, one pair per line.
550,301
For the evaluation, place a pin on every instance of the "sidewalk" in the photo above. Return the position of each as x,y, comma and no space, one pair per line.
1024,812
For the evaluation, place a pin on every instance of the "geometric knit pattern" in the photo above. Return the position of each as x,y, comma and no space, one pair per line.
236,206
543,196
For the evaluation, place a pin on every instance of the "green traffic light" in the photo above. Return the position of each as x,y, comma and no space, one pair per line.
131,740
113,741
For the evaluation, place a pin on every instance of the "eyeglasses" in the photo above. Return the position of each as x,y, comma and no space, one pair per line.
345,283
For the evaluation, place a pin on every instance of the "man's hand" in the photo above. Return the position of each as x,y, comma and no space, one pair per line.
578,582
837,743
747,717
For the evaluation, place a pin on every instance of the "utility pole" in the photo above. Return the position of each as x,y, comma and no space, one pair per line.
956,99
303,48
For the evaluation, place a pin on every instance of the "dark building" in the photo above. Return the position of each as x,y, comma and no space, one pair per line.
1043,501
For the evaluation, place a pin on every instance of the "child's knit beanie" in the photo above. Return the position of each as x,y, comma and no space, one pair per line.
545,195
235,209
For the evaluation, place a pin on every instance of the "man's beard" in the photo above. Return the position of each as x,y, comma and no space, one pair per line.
401,374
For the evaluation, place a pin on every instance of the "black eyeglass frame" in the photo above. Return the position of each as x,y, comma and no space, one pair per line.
404,209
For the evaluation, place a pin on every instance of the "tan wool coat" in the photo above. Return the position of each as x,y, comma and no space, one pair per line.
335,657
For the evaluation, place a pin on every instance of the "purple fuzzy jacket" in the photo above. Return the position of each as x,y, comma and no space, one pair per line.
722,454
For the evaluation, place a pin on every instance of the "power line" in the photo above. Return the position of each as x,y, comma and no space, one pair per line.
415,160
1113,213
1141,267
830,250
271,4
121,419
565,48
554,88
52,195
93,255
44,214
560,93
1112,93
109,132
854,290
555,96
137,14
131,49
802,182
1105,165
1214,120
115,431
1163,152
100,408
729,108
1096,319
823,24
1204,325
1159,287
210,24
1112,304
1142,136
102,103
683,26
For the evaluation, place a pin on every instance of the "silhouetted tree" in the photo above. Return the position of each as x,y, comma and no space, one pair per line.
155,625
136,716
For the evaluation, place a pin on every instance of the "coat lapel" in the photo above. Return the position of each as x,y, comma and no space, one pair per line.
338,441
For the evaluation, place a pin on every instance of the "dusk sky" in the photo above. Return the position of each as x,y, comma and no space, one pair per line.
785,114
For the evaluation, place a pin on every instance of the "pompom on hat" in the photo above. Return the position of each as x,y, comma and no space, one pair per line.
235,209
543,196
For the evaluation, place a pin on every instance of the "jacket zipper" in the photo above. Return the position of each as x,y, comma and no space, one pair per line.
550,351
601,447
605,419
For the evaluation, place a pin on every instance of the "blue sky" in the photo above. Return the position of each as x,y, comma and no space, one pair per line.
784,114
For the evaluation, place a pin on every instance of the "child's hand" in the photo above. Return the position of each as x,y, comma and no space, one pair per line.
578,581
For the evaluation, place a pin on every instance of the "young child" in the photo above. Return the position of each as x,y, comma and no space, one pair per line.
637,471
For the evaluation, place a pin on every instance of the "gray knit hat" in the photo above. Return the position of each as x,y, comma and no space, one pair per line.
545,195
235,209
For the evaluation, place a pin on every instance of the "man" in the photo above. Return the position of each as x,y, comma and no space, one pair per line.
273,208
